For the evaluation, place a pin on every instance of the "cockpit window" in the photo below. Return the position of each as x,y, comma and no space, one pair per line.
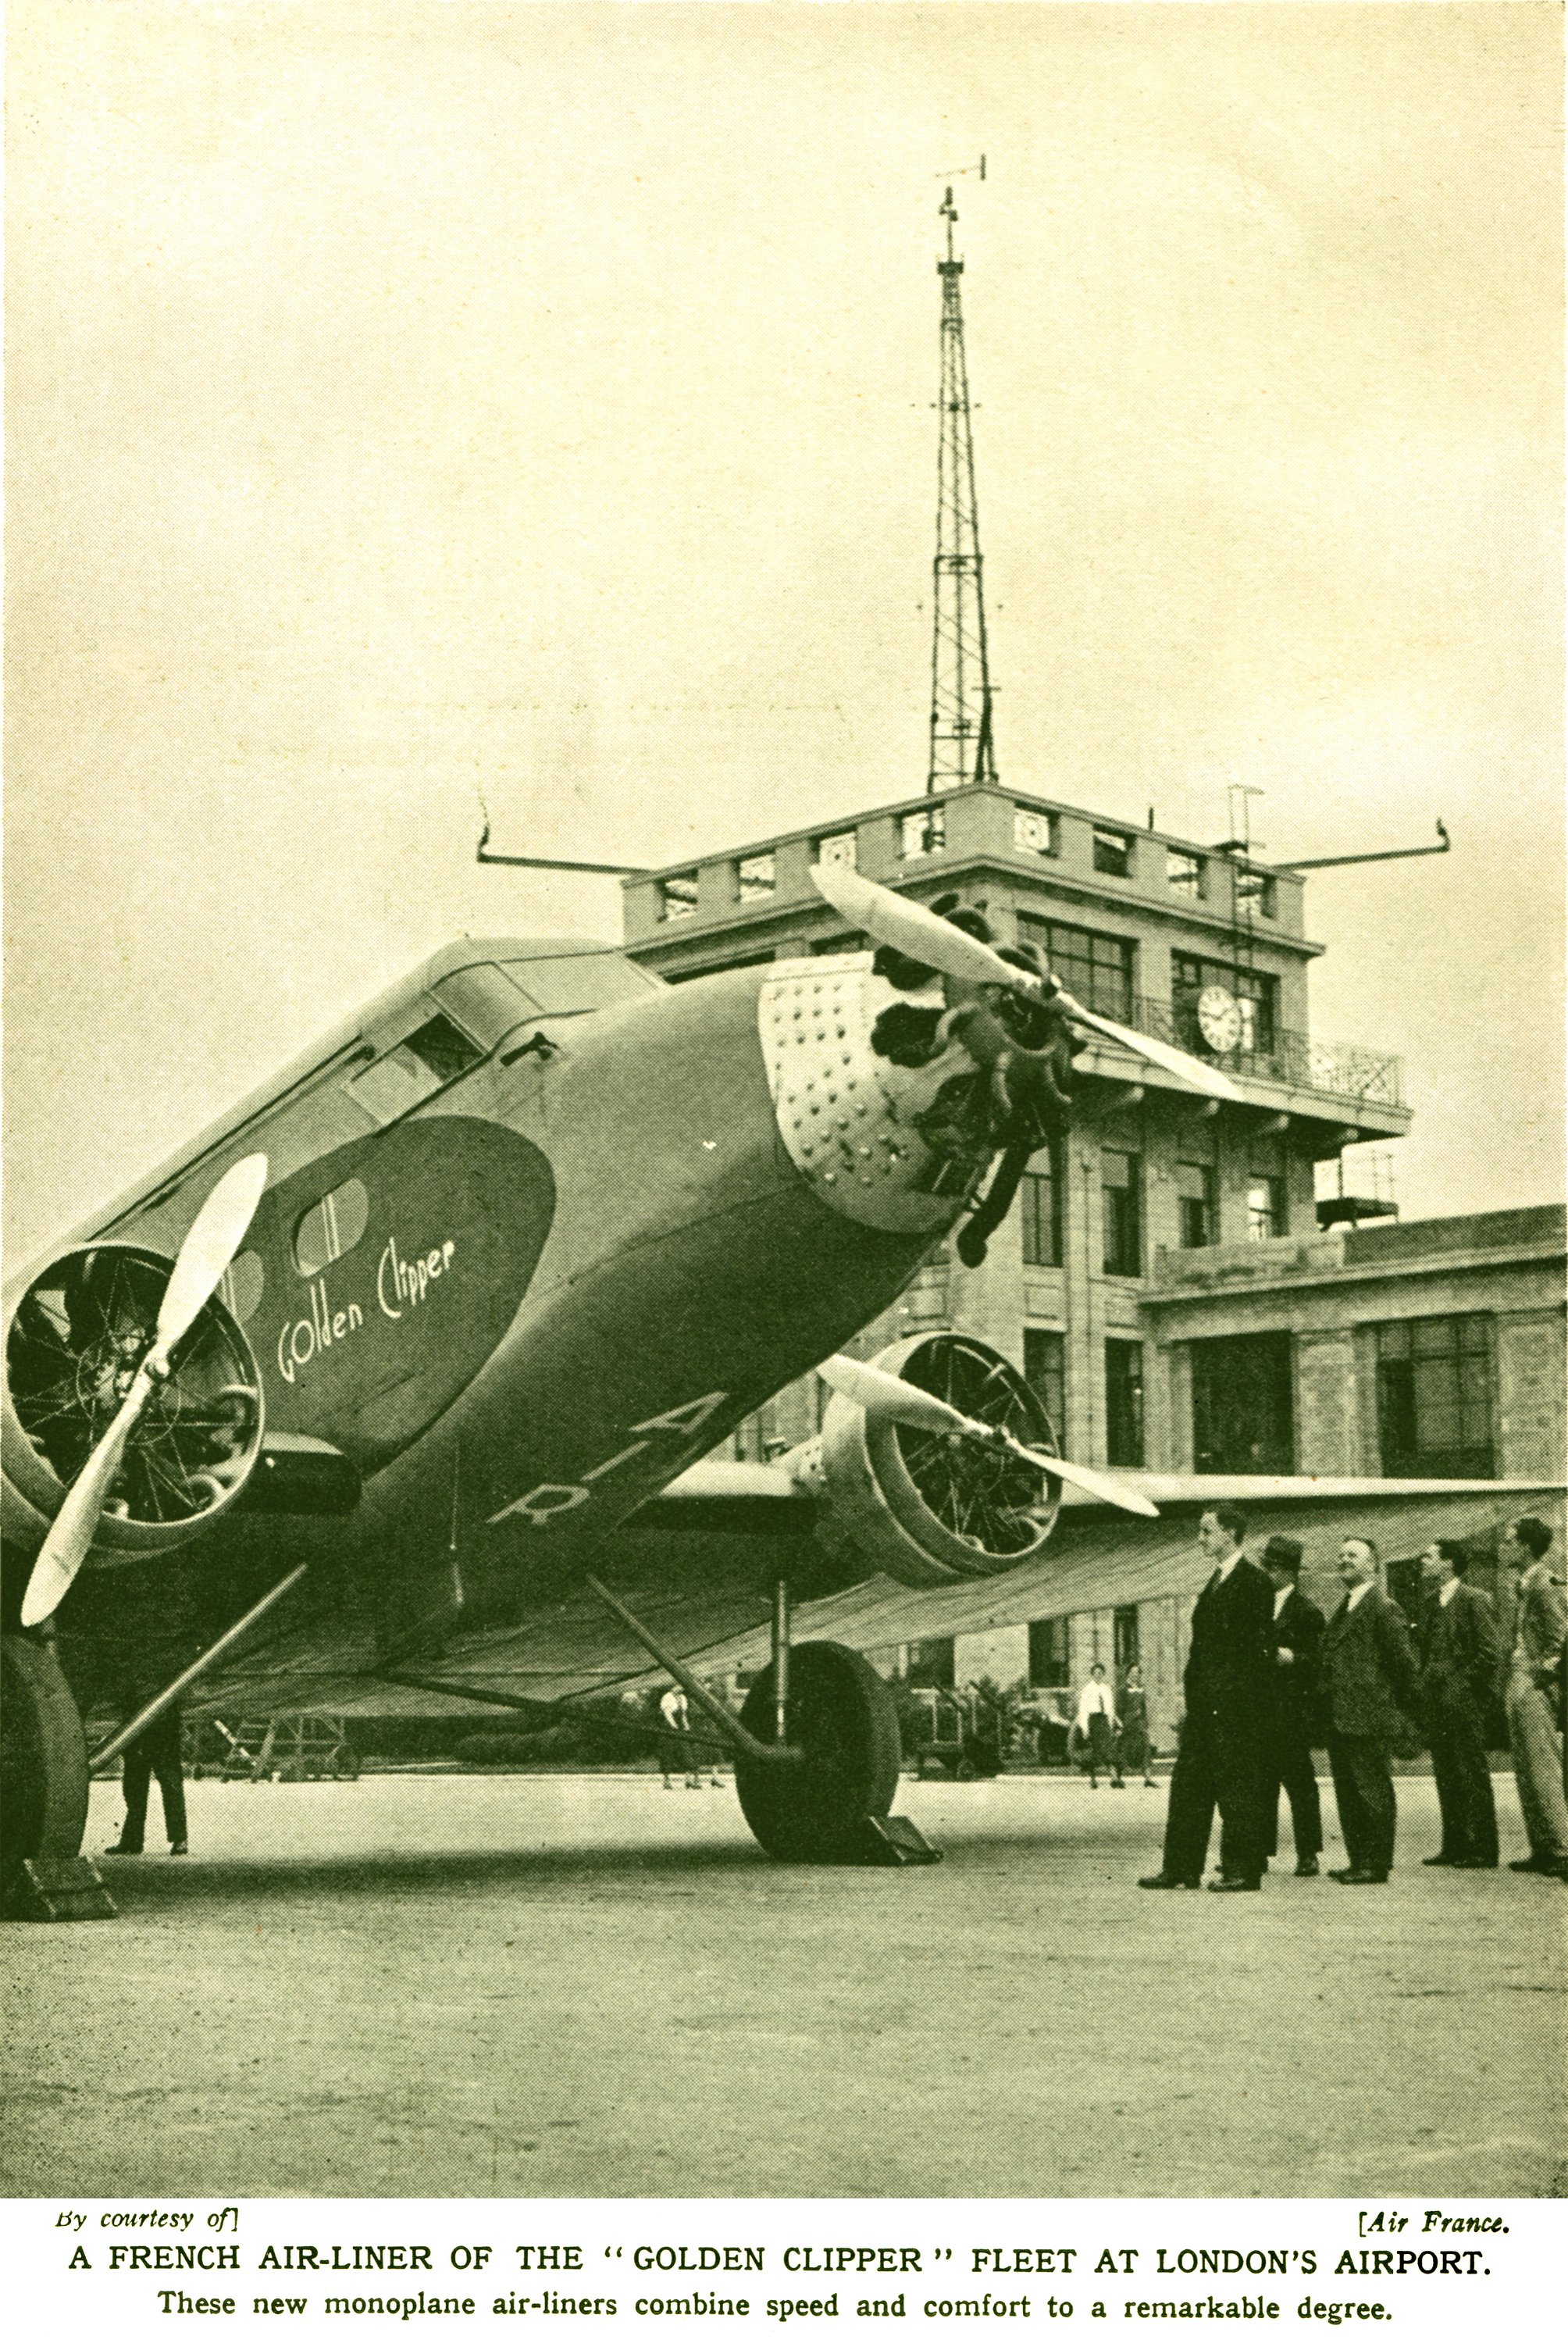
434,1054
331,1228
581,981
440,1046
485,1001
489,999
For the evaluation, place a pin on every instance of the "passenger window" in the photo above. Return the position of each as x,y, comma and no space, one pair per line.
239,1288
329,1229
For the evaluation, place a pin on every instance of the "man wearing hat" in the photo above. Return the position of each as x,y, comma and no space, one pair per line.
1295,1643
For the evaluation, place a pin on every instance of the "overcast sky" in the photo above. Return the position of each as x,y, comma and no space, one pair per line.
410,404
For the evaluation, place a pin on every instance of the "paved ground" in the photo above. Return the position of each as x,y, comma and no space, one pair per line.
438,1986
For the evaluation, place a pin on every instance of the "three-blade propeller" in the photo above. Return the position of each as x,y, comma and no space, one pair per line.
936,943
211,1243
880,1393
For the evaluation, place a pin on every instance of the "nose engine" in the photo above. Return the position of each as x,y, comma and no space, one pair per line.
938,1509
73,1345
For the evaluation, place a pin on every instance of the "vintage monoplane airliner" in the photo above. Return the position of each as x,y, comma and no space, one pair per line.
363,1387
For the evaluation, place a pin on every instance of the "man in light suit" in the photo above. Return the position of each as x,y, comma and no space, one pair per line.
1371,1689
1222,1758
1534,1697
1460,1653
1295,1641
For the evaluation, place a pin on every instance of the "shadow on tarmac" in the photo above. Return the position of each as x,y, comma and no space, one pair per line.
157,1883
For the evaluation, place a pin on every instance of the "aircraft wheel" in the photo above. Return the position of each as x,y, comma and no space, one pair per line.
42,1756
844,1718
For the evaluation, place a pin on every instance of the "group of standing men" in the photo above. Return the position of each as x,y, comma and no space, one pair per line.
1268,1680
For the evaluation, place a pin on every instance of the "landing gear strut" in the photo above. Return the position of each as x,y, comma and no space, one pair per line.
816,1747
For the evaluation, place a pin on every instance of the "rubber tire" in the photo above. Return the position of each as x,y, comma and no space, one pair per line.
42,1756
343,1766
844,1718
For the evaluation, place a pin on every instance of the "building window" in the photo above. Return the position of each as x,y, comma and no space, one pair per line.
1197,1205
756,877
1113,853
678,896
1244,1413
1434,1399
838,852
1124,1637
1123,1403
1040,1193
1253,1022
1045,1372
1121,1199
1032,832
1265,1206
1095,967
1050,1668
331,1228
1256,890
925,832
1185,873
930,1662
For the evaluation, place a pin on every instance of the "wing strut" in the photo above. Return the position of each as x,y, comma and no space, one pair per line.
107,1750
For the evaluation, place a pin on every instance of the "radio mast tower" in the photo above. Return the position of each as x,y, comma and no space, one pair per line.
961,745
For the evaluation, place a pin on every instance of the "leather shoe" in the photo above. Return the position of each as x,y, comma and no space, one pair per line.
120,1849
1524,1863
1473,1862
1361,1878
1234,1887
1307,1868
179,1847
1166,1879
1430,1860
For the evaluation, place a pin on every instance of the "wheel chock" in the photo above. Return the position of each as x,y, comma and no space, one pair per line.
60,1888
893,1840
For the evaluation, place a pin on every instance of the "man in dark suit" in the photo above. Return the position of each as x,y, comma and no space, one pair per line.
1461,1656
1222,1757
1295,1641
1371,1689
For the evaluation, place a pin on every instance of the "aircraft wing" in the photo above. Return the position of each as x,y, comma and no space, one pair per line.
1101,1559
726,1492
1258,1488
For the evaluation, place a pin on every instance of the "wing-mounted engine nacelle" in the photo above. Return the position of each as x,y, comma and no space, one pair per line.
937,1508
73,1344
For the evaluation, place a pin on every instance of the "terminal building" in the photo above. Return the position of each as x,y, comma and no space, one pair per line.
1190,1285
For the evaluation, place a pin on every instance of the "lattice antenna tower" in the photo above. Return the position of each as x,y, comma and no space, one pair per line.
961,742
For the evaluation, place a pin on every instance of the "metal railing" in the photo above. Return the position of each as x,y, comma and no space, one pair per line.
1339,1069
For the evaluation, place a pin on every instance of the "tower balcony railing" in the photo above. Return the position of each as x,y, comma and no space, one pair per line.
1299,1061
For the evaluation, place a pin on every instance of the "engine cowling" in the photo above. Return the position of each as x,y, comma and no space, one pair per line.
72,1343
927,1508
